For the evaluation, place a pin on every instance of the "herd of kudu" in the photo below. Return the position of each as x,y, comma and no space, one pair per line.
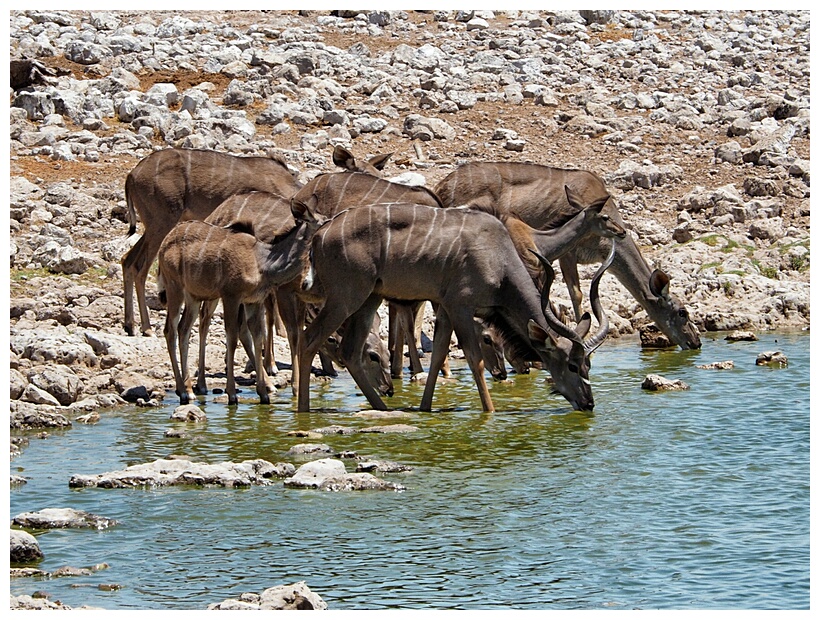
320,259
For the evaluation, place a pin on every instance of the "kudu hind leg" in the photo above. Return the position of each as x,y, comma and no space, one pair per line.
254,322
129,272
206,313
464,327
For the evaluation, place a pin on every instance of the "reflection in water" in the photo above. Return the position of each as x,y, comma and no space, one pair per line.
696,499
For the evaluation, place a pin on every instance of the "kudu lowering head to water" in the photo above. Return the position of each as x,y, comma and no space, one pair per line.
563,235
536,195
200,262
460,259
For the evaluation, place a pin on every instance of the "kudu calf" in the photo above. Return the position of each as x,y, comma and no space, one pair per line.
200,262
174,185
463,261
536,195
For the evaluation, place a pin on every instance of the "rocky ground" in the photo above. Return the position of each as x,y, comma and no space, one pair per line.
698,121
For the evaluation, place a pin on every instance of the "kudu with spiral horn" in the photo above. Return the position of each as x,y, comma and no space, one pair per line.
578,343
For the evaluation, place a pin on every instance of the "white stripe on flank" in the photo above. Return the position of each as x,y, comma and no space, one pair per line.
343,236
387,241
427,233
341,199
456,238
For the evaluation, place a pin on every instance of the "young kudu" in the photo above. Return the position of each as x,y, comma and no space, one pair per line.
536,195
463,261
200,262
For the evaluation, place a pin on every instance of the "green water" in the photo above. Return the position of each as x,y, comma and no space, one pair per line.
677,500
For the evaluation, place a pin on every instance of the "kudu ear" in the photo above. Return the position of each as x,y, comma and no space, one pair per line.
343,158
659,283
305,210
582,329
379,161
577,202
539,334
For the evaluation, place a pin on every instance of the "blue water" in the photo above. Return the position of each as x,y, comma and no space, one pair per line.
676,500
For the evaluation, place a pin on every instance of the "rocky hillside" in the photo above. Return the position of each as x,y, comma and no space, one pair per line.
698,121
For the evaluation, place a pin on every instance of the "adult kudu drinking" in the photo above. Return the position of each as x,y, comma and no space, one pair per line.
536,194
460,259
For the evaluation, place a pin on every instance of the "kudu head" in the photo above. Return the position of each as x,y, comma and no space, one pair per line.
598,213
375,357
284,258
668,312
492,351
345,159
568,357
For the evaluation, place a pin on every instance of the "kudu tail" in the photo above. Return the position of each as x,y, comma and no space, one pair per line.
161,292
131,213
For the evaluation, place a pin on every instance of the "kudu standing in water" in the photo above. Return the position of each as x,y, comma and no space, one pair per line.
174,185
334,192
536,195
200,262
463,261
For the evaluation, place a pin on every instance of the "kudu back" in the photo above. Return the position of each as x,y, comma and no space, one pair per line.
536,194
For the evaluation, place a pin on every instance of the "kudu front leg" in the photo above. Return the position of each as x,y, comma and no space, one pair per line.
356,331
329,319
569,269
441,346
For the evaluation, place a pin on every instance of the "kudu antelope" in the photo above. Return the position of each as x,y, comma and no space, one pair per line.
174,185
270,216
562,237
338,191
200,262
463,261
536,195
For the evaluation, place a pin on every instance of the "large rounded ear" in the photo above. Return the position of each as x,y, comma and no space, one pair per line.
304,210
379,161
579,203
539,334
344,158
659,283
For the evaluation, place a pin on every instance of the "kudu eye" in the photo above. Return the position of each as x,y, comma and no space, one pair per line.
488,340
682,313
374,357
573,368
